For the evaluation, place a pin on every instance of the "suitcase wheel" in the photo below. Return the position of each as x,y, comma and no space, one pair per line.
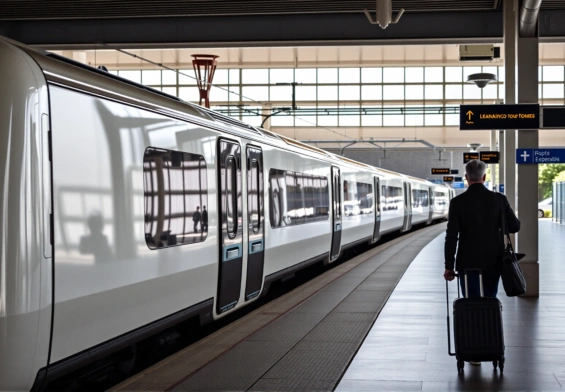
460,366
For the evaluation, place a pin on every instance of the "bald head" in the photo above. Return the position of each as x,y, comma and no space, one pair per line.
475,170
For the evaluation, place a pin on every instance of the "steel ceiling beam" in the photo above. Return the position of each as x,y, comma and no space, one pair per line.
89,9
265,30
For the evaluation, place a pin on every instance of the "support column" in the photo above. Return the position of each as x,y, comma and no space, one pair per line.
510,37
527,178
493,178
501,165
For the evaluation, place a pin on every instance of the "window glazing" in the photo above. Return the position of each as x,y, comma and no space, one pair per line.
352,88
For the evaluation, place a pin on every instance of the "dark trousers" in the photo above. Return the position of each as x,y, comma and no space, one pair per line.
490,283
196,226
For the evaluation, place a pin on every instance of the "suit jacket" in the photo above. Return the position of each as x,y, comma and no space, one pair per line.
475,225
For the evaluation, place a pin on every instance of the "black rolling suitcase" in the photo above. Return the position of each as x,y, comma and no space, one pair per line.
477,328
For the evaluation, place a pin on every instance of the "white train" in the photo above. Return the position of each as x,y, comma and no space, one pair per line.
100,242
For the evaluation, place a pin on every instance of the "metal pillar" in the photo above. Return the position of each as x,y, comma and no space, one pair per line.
527,177
501,165
510,37
493,178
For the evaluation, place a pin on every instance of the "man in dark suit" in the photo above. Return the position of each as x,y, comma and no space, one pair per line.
475,225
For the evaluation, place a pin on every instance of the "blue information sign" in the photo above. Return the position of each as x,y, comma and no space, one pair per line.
435,181
458,185
540,155
501,188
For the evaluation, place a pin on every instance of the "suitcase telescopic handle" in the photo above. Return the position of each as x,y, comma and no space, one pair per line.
447,307
480,271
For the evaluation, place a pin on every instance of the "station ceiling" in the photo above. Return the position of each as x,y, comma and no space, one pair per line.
237,23
87,9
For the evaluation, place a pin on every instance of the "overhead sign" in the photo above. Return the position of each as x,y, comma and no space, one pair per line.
448,179
553,116
469,156
458,185
435,181
454,171
441,171
540,155
490,157
487,117
458,179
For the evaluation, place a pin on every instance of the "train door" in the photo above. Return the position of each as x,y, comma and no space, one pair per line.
407,207
336,221
377,207
230,225
430,204
256,219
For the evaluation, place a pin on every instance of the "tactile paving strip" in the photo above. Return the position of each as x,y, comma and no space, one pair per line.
333,334
284,338
239,368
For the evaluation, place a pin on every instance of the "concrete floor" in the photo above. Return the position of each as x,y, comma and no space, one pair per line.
406,349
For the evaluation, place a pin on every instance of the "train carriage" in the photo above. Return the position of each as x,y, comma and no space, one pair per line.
125,211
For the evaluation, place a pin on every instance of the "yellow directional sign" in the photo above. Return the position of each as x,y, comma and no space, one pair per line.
490,157
491,117
469,156
441,171
448,179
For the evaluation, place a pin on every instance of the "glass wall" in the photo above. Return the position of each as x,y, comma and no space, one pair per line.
370,96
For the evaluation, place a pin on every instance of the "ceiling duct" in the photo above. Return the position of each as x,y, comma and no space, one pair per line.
384,14
529,18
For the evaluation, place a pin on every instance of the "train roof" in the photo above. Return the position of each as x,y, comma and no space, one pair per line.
70,73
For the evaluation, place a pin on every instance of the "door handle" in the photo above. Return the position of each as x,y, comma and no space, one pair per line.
256,246
232,253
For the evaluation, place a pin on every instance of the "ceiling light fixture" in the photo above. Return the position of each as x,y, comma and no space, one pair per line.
481,79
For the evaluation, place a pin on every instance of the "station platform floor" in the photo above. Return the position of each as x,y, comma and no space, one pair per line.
406,349
376,323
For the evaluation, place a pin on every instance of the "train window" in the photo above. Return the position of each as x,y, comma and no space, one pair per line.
441,200
391,198
337,196
357,198
231,196
309,196
297,198
176,195
419,198
254,202
322,202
